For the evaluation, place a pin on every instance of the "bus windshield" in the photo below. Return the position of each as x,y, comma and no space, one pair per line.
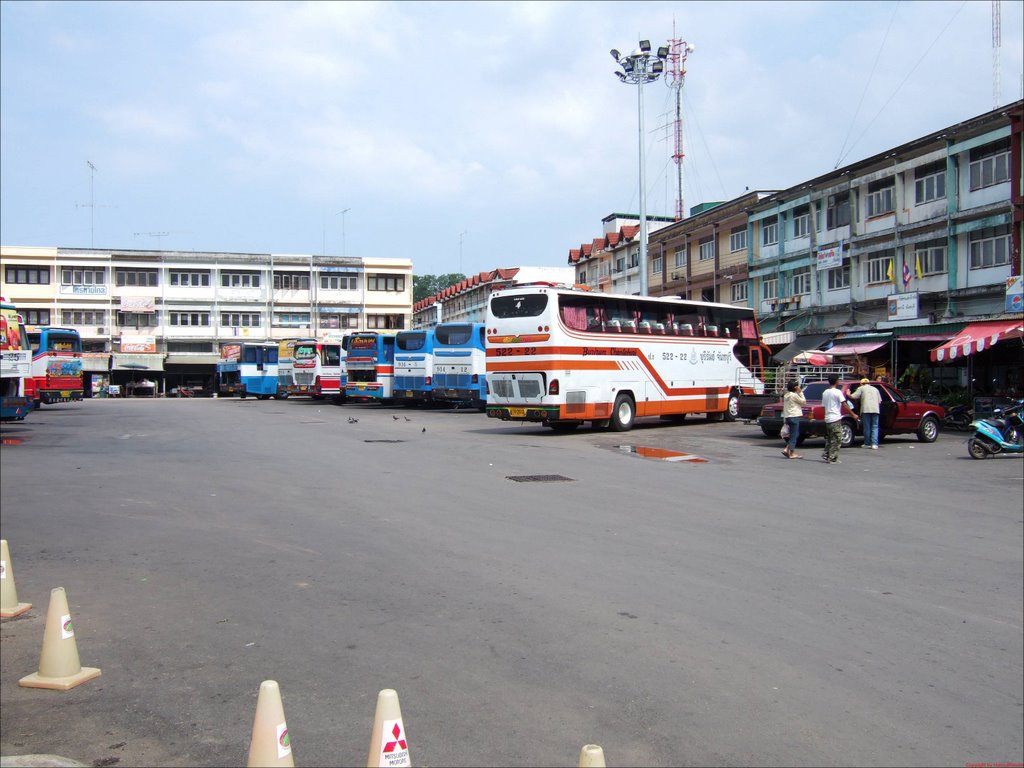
454,335
305,351
528,305
410,341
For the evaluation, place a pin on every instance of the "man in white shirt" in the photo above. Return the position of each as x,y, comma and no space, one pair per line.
833,400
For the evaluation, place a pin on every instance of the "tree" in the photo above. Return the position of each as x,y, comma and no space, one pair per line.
425,286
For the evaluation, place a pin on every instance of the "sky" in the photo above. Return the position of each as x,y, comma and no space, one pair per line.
462,136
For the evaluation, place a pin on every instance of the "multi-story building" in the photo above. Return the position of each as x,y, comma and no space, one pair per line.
165,315
890,256
466,301
611,263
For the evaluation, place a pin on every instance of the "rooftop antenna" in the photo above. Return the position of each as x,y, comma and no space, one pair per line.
678,50
461,234
996,44
91,206
157,235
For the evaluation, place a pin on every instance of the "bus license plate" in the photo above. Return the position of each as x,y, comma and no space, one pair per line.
408,394
517,413
65,393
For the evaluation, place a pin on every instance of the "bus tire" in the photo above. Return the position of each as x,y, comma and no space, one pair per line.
732,410
623,414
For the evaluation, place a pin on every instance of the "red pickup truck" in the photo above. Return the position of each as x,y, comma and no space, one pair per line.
899,415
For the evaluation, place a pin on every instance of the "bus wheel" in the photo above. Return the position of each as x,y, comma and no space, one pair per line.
732,410
623,414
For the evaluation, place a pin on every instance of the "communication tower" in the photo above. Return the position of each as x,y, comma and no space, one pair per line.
678,50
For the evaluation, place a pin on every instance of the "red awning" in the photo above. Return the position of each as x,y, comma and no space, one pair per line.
977,337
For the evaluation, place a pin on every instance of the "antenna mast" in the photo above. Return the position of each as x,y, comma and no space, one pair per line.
996,43
678,50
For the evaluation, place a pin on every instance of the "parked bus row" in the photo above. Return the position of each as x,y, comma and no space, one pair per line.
445,364
558,355
40,365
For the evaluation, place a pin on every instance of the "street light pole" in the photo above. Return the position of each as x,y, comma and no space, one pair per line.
639,68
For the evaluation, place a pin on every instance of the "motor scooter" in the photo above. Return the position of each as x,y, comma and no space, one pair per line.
1002,434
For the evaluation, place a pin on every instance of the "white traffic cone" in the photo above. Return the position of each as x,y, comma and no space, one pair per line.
59,667
270,744
389,747
591,756
9,605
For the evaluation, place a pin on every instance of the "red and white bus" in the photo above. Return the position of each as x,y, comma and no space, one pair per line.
318,368
562,356
56,364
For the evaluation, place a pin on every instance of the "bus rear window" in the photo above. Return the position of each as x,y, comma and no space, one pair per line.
410,342
530,305
304,351
453,334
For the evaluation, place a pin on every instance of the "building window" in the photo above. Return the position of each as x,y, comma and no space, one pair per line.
838,278
769,288
656,265
802,223
930,183
189,318
190,347
86,276
706,249
385,283
737,240
990,165
930,258
133,277
190,279
620,264
138,319
385,322
837,211
881,197
240,279
770,233
680,258
83,317
338,282
27,275
801,282
291,281
240,319
291,319
739,291
990,247
35,316
879,265
339,321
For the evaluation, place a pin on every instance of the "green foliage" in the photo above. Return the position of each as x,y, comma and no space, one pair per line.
425,286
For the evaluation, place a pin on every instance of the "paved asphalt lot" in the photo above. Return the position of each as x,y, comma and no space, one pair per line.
743,610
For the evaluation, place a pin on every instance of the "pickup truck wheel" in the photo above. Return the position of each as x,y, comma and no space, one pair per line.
846,433
928,430
770,432
732,410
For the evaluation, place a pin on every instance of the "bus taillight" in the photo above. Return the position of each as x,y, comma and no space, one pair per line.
553,387
427,381
475,379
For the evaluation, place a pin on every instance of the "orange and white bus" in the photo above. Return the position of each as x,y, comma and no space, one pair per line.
562,356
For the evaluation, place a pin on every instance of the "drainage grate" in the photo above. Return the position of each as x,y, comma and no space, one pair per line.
383,441
539,478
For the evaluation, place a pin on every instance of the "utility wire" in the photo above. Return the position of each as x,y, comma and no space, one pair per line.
903,82
867,85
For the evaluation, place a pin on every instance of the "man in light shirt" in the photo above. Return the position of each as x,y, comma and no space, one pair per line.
833,399
870,410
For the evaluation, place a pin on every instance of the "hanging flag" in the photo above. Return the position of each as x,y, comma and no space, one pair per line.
920,272
906,275
889,273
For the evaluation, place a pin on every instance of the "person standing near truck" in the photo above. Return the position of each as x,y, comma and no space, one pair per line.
870,410
833,399
792,409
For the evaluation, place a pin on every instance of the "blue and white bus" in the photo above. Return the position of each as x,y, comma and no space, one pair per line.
258,370
460,364
370,365
414,366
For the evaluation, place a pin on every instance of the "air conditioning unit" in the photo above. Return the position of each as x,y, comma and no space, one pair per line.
101,330
677,275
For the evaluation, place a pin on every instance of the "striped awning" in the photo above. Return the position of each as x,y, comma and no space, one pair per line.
977,337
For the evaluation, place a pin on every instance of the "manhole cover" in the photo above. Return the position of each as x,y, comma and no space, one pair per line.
539,479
